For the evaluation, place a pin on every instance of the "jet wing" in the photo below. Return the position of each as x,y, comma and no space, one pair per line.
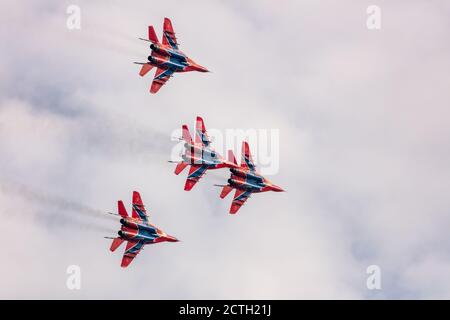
247,160
201,136
169,37
161,77
131,251
239,199
138,211
195,173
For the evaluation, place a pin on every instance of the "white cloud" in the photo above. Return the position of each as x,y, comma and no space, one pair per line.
364,149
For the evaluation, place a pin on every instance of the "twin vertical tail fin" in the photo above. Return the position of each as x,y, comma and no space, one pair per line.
152,35
247,160
121,208
138,210
169,37
186,134
201,136
231,157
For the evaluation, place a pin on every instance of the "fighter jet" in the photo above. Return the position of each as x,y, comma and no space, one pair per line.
246,180
199,155
136,230
166,57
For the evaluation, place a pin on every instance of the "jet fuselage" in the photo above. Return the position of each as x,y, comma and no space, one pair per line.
168,58
168,51
251,181
177,66
247,174
140,230
200,155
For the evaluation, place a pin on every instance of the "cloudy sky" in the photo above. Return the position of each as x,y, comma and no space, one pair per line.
364,149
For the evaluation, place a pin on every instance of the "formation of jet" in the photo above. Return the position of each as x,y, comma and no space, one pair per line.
246,180
199,155
136,230
166,57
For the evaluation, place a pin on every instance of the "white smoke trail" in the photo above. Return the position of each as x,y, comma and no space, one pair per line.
58,211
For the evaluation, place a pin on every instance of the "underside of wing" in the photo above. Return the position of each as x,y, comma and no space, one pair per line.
161,77
239,199
131,251
195,173
169,37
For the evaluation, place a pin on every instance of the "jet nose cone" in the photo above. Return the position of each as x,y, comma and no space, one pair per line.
200,68
277,188
172,239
